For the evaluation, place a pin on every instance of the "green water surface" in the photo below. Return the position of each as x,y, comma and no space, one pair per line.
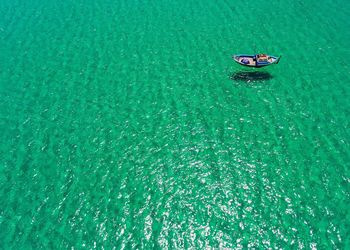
126,124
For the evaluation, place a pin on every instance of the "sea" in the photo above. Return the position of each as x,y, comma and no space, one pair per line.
125,124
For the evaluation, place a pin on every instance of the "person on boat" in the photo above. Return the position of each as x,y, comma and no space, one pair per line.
262,58
245,61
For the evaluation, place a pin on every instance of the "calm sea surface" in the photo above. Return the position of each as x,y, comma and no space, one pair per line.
126,124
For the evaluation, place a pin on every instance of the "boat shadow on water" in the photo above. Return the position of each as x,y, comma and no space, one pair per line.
251,76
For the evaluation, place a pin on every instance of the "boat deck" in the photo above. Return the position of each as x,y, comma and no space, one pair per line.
257,61
252,61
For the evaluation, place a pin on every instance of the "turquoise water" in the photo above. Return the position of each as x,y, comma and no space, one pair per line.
126,124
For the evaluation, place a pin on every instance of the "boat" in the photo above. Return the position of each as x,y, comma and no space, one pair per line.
257,60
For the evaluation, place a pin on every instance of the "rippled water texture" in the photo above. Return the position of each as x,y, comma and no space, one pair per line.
127,124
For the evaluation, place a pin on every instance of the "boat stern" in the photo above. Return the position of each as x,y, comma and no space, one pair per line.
236,58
